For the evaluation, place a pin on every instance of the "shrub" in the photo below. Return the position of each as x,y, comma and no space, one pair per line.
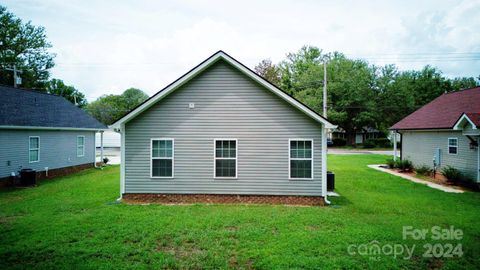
452,174
370,143
404,165
423,170
383,142
106,160
339,142
391,163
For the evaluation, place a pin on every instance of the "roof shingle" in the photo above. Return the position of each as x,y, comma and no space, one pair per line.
444,111
29,108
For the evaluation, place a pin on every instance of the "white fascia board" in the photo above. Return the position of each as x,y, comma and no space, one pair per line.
461,120
239,66
52,128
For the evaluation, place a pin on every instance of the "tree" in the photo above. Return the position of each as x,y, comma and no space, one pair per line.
268,71
350,94
108,108
25,46
58,87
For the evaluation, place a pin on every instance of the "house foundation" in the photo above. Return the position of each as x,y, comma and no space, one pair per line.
222,199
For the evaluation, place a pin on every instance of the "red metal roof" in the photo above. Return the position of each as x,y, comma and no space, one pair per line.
444,111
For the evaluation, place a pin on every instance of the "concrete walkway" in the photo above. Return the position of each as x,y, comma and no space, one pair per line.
416,180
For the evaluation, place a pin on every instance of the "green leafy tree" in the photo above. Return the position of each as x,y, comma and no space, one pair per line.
108,108
25,46
269,71
58,87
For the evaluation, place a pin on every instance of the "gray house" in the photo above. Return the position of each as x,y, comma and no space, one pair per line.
222,133
44,132
446,132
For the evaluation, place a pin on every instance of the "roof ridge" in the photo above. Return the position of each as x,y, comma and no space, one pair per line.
29,90
461,90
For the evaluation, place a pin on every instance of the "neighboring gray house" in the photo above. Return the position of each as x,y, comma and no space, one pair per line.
222,133
44,132
445,131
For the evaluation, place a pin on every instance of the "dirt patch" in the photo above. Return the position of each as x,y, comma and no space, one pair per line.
186,249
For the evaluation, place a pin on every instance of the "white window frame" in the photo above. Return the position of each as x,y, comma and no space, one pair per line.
171,158
33,149
290,159
83,146
448,145
215,158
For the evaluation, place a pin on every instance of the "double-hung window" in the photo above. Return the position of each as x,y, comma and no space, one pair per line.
225,158
452,146
162,163
80,146
301,159
34,149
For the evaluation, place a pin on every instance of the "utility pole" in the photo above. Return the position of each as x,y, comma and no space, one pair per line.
325,87
16,79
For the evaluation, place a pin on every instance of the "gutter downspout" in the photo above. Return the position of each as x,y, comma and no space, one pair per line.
121,130
478,159
395,145
324,164
95,149
101,146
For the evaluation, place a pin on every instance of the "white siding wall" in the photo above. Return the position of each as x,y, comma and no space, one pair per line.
227,105
419,147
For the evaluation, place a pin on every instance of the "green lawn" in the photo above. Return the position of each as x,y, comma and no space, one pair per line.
75,222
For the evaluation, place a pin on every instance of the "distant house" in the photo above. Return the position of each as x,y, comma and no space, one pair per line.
361,135
222,133
44,132
445,131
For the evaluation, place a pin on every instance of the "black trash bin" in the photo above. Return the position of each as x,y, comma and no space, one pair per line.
28,177
330,181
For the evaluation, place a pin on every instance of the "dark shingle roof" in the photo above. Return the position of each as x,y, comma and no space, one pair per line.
474,117
444,111
29,108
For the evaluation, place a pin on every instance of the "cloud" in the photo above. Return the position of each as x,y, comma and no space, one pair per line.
107,46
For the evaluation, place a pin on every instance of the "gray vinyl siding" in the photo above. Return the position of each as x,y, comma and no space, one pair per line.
419,147
227,105
58,149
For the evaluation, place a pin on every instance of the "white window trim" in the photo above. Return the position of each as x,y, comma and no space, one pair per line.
448,145
172,158
30,149
215,158
290,159
83,146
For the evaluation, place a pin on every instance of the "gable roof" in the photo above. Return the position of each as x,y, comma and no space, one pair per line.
23,108
473,119
444,111
220,55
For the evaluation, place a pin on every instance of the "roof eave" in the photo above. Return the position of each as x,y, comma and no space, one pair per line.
52,128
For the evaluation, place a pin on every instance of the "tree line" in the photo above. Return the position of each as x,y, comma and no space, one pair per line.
360,94
25,47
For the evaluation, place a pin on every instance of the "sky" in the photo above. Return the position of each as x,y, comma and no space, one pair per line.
105,47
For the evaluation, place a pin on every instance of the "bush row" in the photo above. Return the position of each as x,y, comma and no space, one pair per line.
370,143
404,165
452,174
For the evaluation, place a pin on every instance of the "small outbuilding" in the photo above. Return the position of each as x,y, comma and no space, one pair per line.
445,132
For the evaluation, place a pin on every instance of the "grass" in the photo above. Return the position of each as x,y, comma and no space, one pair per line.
74,222
360,147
